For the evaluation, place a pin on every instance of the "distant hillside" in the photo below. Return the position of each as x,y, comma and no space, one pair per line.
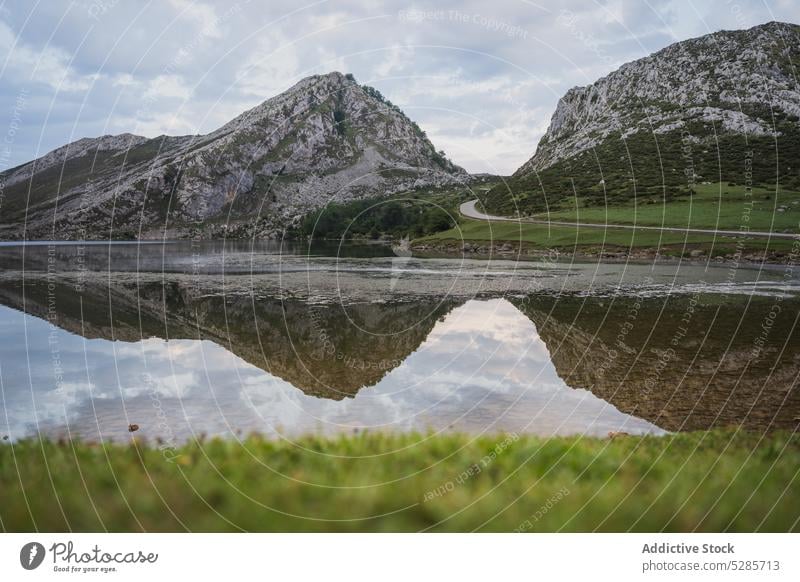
724,107
327,138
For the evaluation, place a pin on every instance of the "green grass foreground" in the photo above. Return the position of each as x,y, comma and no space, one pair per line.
715,481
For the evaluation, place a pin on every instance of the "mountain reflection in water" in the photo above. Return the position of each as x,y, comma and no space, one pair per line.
179,362
282,367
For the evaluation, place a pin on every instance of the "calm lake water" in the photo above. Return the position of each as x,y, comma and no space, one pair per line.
224,339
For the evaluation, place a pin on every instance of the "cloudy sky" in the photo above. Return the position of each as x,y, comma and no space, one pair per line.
482,78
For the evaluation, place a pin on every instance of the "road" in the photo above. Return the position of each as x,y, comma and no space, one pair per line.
468,210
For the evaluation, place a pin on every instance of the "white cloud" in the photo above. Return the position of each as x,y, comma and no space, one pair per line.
203,14
48,65
395,60
273,66
482,94
168,86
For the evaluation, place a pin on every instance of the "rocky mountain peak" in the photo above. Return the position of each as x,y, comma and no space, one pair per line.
728,78
721,108
326,138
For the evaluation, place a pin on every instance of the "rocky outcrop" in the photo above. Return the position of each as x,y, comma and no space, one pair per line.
733,80
327,138
720,108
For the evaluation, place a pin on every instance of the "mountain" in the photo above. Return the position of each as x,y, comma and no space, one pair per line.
327,138
720,108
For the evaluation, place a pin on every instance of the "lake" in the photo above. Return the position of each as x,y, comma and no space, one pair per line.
222,339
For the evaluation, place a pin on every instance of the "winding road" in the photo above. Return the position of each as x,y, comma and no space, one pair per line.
469,210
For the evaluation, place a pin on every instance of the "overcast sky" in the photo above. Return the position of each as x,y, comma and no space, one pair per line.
482,78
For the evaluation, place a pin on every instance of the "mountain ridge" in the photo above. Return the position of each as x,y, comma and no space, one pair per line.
326,138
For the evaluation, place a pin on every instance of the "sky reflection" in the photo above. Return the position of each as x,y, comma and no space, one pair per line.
483,368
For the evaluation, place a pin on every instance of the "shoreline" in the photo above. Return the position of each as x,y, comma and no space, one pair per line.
694,254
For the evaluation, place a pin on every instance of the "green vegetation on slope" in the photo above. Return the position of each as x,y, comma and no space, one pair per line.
712,206
591,240
718,481
666,166
49,185
413,214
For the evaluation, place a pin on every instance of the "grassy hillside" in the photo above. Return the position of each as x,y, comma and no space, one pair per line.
664,167
50,185
592,241
712,206
718,481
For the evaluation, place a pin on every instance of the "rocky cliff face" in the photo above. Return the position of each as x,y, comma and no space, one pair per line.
726,79
693,111
326,138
